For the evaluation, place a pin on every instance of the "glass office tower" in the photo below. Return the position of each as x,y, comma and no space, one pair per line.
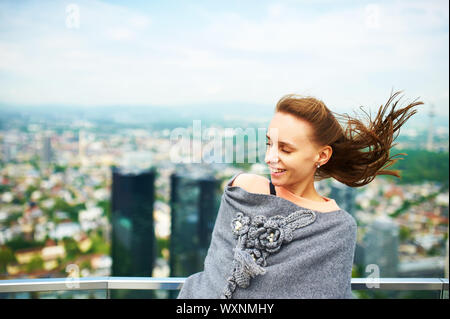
195,201
381,246
344,196
133,247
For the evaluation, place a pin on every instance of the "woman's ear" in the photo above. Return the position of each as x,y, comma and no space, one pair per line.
325,154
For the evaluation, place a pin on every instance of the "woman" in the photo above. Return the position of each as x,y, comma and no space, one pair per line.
280,238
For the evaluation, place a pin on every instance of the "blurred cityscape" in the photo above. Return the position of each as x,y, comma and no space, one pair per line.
103,193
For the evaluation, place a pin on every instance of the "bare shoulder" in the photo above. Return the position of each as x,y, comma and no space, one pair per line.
252,183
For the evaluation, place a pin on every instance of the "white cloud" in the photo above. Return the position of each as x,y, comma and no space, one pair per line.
120,33
275,10
349,55
372,16
139,21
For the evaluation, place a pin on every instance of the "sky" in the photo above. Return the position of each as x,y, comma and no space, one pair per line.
175,53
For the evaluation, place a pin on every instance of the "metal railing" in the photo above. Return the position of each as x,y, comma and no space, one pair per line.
175,283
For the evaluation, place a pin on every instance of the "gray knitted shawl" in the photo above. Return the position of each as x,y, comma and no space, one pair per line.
264,246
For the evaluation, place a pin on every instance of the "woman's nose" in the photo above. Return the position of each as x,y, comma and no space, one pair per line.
272,156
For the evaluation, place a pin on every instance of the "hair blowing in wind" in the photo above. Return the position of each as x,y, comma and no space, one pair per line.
361,151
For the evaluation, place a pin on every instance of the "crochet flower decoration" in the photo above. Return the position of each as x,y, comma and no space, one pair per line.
258,238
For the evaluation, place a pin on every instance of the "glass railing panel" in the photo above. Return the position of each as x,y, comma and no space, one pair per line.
61,294
168,288
399,294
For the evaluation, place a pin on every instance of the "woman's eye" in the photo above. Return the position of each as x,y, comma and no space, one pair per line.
287,152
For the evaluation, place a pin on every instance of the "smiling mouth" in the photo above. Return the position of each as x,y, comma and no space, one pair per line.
273,170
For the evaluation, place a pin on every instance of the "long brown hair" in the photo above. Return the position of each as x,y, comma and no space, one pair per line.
360,151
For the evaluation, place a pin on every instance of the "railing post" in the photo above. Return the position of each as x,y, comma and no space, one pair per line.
444,290
108,291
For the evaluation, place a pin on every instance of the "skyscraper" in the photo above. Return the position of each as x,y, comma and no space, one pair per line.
46,149
446,260
195,201
430,146
343,195
133,246
381,246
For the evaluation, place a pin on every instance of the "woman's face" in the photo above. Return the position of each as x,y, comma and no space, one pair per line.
290,148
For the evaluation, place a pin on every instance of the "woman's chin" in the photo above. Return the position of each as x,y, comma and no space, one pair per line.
278,176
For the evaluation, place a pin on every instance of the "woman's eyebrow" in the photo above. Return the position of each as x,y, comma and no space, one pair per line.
283,143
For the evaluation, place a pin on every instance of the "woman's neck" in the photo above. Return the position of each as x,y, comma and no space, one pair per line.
304,190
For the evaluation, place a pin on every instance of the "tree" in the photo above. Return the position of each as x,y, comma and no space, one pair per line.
106,206
30,191
36,263
419,166
71,247
20,243
72,211
6,257
162,243
99,246
59,168
405,234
